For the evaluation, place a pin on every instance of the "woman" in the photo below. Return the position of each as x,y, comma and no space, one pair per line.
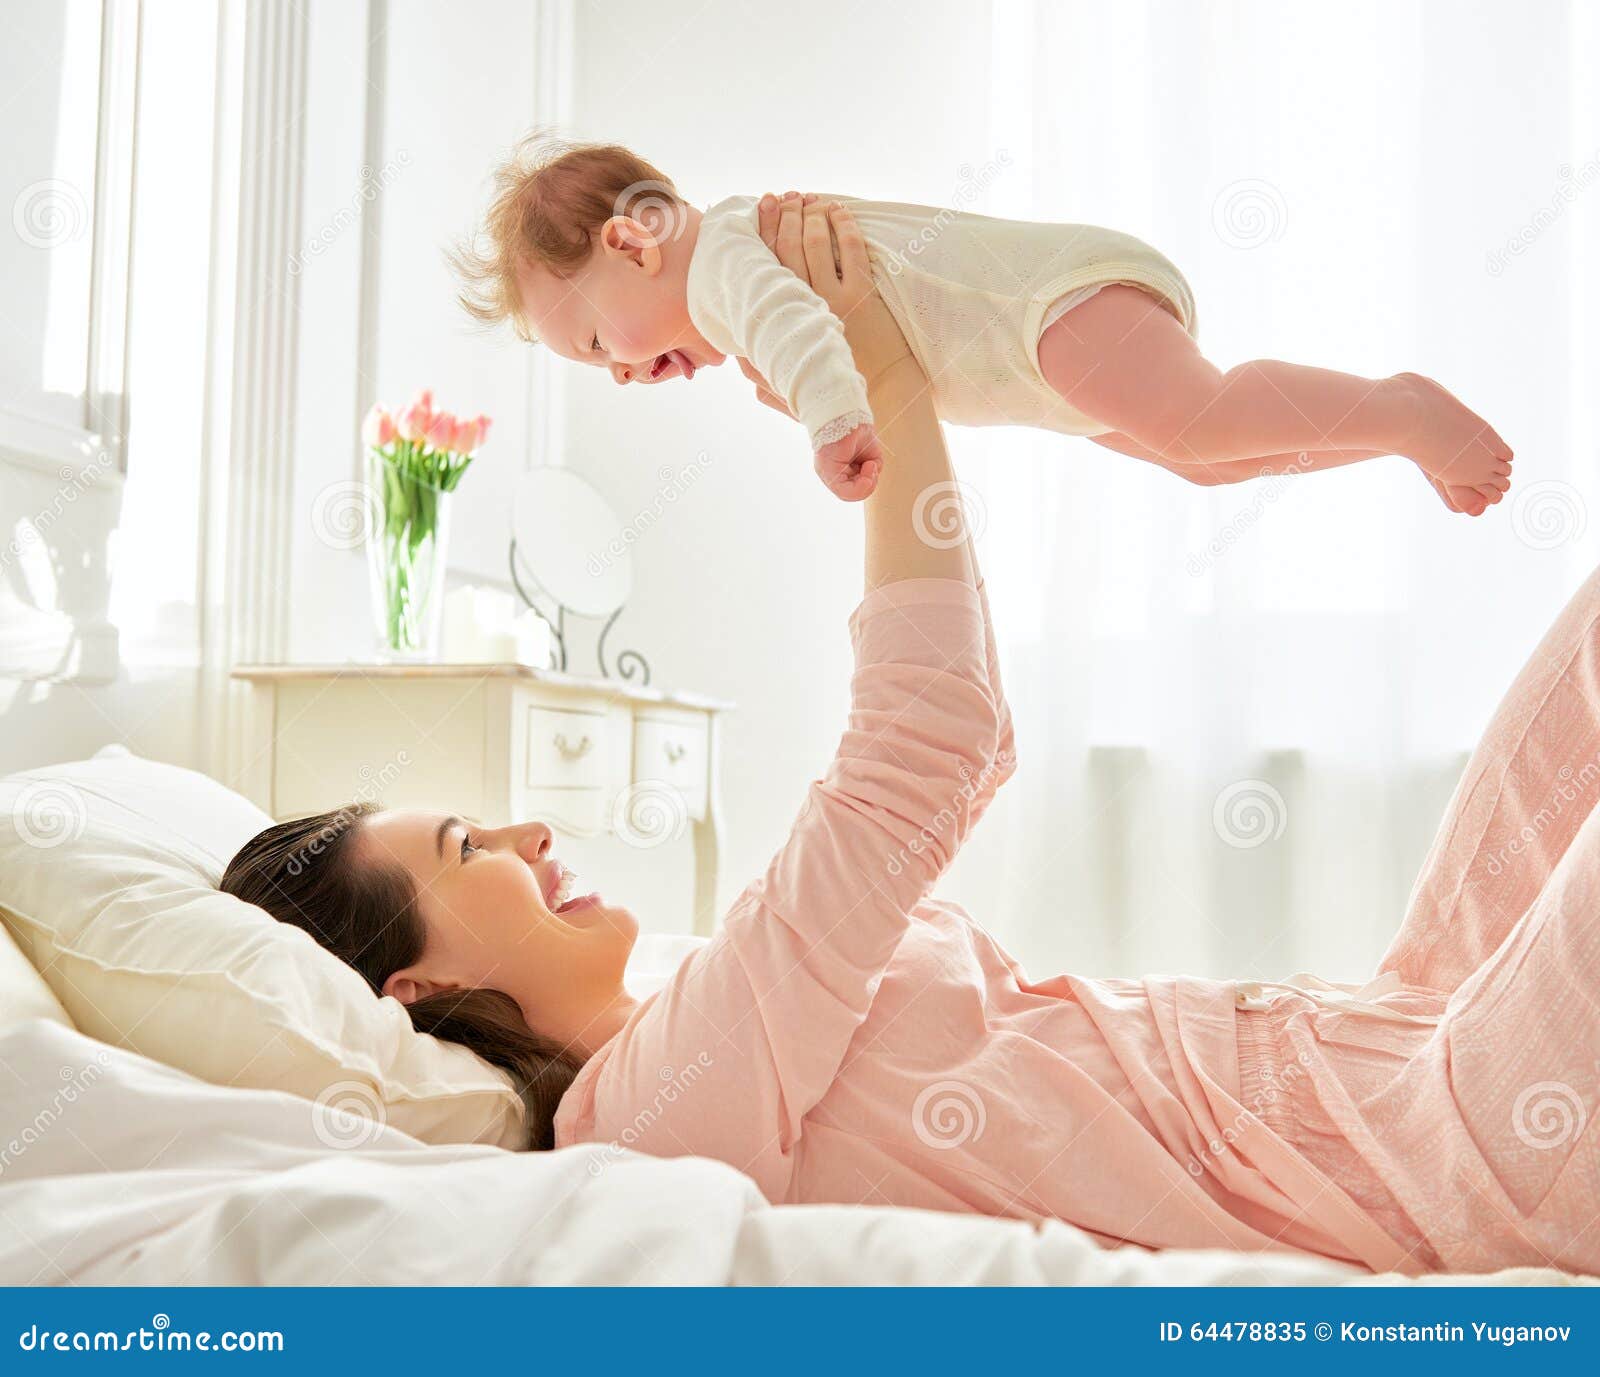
845,1038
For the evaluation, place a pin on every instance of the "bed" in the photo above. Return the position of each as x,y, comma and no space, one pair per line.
120,1171
140,1146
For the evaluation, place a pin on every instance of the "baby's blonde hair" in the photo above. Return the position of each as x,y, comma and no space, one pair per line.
551,199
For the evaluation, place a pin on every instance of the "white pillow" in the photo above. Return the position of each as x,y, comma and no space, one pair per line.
108,874
23,994
655,956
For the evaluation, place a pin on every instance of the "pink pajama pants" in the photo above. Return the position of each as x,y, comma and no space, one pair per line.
1464,1115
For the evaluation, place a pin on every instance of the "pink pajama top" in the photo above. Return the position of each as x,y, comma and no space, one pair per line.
847,1039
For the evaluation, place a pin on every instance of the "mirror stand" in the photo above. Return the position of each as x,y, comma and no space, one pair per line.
630,664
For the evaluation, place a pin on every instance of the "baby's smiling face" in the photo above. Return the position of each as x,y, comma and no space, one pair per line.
626,309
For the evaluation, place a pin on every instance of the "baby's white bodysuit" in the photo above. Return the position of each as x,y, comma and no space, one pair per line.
972,295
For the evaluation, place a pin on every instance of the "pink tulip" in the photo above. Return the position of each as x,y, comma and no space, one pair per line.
424,401
442,431
378,429
482,424
461,438
412,425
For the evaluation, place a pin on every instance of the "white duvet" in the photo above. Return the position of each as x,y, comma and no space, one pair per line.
117,1171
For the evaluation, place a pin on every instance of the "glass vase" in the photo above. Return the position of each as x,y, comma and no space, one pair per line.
409,525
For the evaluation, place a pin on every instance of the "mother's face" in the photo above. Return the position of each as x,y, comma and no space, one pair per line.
502,912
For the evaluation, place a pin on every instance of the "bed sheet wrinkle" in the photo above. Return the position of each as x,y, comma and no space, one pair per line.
150,1177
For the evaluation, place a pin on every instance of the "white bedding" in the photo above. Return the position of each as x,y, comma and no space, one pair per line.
116,1170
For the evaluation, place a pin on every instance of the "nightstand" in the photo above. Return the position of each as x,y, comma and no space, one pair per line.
498,744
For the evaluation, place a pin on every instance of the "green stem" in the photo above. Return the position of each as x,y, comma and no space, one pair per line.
410,481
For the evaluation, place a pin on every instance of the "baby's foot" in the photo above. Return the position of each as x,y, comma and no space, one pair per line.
1466,500
1466,461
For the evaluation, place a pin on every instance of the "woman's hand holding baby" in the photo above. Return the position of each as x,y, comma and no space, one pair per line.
821,245
823,239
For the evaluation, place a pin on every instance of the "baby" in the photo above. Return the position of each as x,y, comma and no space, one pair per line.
1087,331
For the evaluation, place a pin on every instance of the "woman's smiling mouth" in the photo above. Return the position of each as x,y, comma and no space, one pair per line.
583,901
561,901
561,890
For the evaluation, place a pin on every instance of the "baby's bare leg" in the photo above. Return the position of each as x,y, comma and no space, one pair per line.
1238,470
1125,361
1242,470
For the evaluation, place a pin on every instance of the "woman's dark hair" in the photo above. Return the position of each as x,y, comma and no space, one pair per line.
303,872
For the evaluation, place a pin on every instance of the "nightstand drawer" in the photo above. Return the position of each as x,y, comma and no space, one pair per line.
566,749
673,750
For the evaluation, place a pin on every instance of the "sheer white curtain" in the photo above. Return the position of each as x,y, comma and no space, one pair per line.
1241,710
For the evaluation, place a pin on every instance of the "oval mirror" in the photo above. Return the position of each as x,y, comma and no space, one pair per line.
570,542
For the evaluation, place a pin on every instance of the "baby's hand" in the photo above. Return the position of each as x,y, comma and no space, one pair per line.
850,465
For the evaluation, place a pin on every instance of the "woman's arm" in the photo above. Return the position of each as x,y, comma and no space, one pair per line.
916,525
919,757
769,1008
916,521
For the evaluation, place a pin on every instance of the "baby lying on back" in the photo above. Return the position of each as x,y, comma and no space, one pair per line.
1087,331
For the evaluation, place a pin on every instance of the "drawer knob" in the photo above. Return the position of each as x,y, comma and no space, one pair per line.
675,750
568,750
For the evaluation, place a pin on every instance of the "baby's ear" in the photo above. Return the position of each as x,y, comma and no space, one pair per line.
624,237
